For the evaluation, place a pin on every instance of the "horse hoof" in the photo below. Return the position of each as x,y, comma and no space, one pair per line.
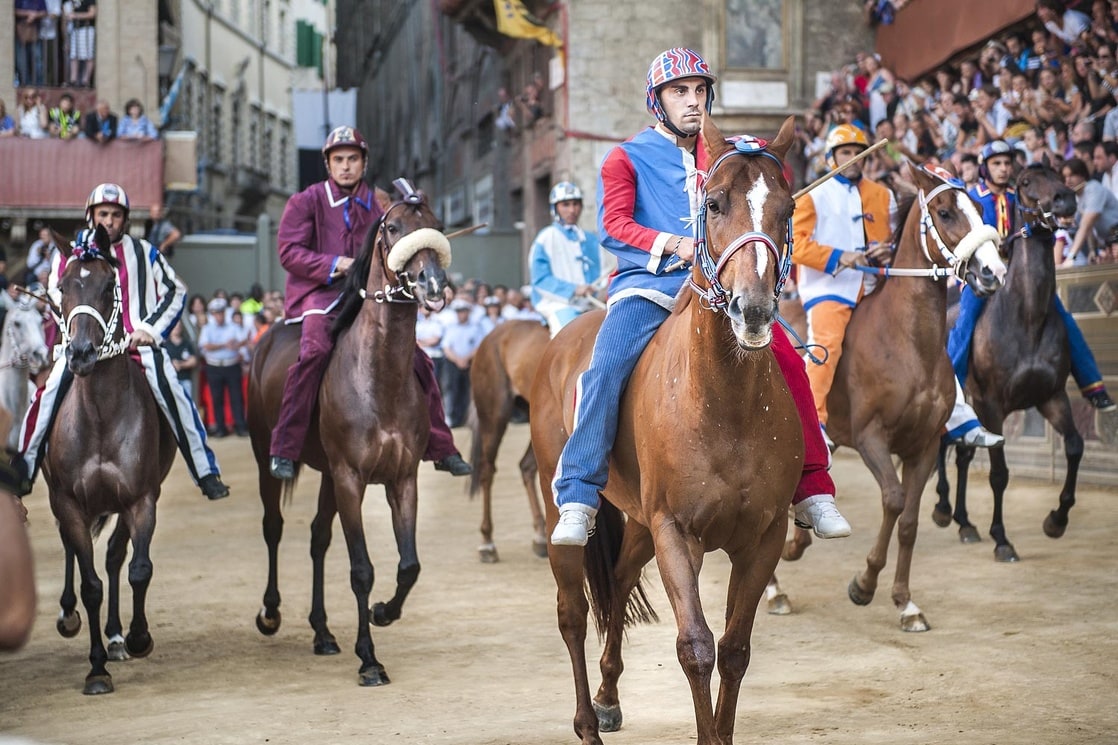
373,675
539,546
1006,553
268,626
969,534
326,646
139,645
914,623
609,717
487,552
117,651
69,626
941,517
98,684
780,605
858,596
1054,527
380,615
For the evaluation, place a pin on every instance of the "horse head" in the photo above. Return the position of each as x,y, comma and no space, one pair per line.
743,231
90,307
25,343
416,251
952,233
1042,197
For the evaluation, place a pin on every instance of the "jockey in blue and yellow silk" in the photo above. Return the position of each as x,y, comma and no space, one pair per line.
998,201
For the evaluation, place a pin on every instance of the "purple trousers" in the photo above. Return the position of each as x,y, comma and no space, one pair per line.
300,392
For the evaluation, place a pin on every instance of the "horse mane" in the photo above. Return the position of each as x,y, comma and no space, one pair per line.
904,207
355,281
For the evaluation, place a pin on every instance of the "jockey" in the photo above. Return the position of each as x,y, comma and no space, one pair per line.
998,201
565,261
649,189
830,225
320,234
152,299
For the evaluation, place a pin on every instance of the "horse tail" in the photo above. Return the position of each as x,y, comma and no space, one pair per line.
602,553
99,525
287,492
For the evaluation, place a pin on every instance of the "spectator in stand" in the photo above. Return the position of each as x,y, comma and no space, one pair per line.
64,119
991,115
83,16
492,318
1096,214
429,336
1074,82
1056,134
1019,53
101,125
990,63
505,119
1021,101
7,123
968,170
969,77
135,125
1050,96
1036,146
48,35
221,342
529,104
161,232
254,303
811,139
39,254
31,115
1105,162
1085,151
1066,25
29,46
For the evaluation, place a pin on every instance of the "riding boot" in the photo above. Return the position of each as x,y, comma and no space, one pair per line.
14,476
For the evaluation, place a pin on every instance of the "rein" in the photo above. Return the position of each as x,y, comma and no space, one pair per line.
715,297
1045,221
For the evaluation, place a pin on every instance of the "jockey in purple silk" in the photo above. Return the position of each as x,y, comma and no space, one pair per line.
322,231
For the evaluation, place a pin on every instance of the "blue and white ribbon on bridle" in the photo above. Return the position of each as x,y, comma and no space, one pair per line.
715,297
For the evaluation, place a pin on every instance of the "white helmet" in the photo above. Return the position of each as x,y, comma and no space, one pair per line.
564,191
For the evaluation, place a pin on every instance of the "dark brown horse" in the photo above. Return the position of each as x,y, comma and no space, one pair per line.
500,380
894,388
1020,359
730,482
371,422
108,452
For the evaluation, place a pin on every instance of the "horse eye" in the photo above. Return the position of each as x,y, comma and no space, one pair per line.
712,206
1024,182
944,214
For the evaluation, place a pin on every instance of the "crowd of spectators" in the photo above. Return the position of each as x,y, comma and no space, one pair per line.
1047,87
35,120
55,42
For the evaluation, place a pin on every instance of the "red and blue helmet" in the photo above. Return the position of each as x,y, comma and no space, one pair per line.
674,64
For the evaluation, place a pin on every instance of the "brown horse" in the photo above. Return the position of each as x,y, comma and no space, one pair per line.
894,388
371,424
1020,359
108,452
500,379
728,486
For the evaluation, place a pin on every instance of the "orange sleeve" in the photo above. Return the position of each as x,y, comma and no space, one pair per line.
807,250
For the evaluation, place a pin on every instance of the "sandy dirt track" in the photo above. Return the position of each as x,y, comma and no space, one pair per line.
1022,653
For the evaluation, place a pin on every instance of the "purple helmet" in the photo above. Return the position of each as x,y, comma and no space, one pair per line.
674,64
344,136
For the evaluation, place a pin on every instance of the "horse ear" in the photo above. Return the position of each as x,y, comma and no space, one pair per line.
101,239
1045,160
383,199
779,147
713,140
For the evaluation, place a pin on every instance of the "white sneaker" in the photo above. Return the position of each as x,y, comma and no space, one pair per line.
820,515
980,437
575,526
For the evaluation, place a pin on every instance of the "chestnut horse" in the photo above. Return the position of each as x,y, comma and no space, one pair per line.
1020,359
729,483
108,452
500,379
371,421
894,388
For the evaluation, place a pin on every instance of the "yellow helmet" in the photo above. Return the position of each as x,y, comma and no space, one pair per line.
843,134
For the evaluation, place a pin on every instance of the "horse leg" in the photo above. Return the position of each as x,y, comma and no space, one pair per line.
114,559
636,551
680,557
402,499
69,621
321,533
776,599
751,571
795,546
269,618
348,491
967,532
1057,411
875,454
999,479
141,525
572,608
76,537
941,513
914,477
493,413
529,472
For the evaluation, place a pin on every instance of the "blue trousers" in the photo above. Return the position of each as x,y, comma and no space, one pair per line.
583,467
1083,366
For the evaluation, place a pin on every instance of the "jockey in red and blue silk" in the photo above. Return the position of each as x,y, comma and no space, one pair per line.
322,231
998,201
152,298
649,193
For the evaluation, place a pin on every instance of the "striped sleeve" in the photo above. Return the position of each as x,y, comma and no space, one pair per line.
170,294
